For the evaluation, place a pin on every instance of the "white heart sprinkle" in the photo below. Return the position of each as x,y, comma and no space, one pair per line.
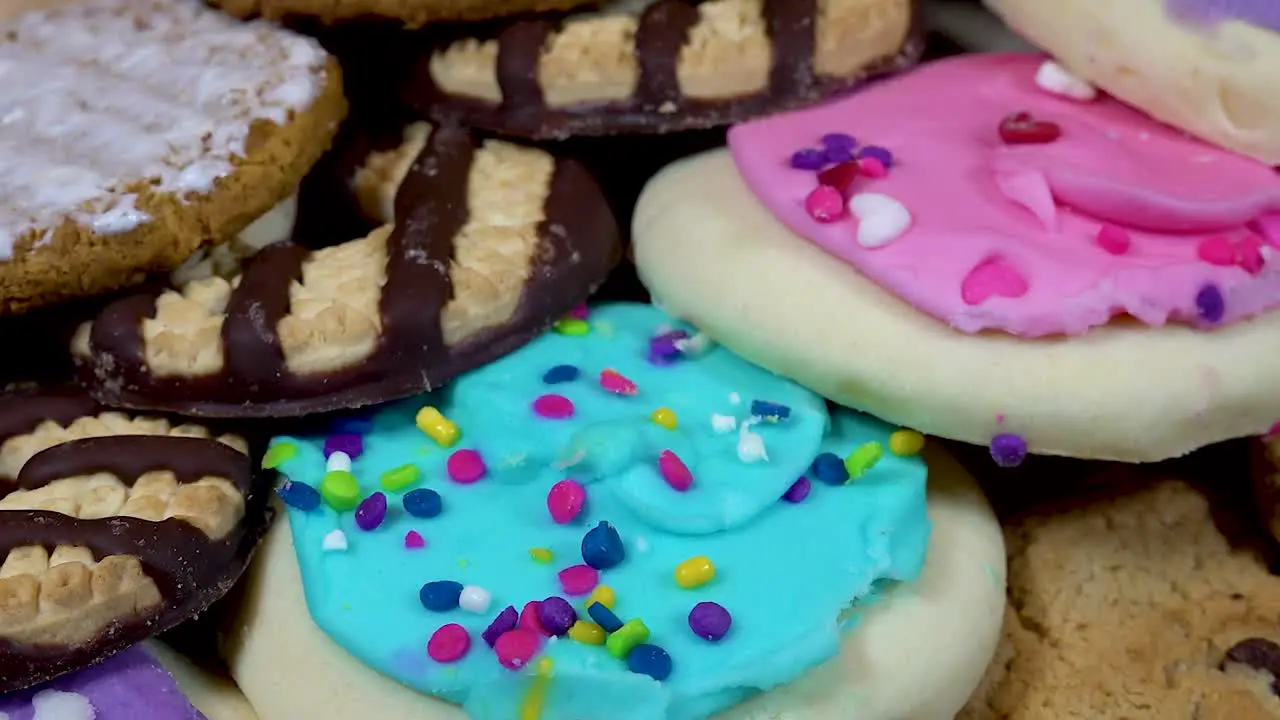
723,423
335,540
1055,79
750,446
58,705
881,219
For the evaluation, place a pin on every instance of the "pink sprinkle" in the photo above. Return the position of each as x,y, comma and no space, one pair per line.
449,643
1217,251
580,312
1114,239
553,407
579,580
515,648
872,167
824,204
413,540
465,466
565,500
529,619
674,471
616,383
1249,253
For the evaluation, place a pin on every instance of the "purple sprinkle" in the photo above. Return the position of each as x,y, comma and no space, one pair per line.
837,155
501,625
809,159
710,621
875,151
556,615
351,444
1008,450
371,511
1210,303
798,491
844,141
663,349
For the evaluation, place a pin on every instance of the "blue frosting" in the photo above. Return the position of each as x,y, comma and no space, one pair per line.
788,573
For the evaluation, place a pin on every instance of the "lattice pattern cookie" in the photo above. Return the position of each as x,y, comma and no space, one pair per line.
641,66
112,528
489,243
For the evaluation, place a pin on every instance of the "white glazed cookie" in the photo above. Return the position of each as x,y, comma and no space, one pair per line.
288,668
139,131
709,252
1178,60
210,691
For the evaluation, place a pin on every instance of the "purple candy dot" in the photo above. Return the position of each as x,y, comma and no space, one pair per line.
809,159
504,623
844,141
837,155
1008,450
1210,303
371,511
556,615
710,621
798,491
352,445
875,151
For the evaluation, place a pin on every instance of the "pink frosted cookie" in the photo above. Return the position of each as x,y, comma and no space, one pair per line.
1008,254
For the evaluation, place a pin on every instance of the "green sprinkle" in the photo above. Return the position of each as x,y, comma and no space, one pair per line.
397,479
340,490
863,459
623,640
572,326
278,454
540,555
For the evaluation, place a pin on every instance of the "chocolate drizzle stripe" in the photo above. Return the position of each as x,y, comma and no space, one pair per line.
116,337
662,31
520,49
21,413
793,29
128,457
250,338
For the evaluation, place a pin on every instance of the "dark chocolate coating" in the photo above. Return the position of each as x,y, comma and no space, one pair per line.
657,105
190,570
578,244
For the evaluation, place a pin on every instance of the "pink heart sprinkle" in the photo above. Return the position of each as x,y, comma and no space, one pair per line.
991,278
465,466
1217,251
825,204
1113,239
413,540
872,167
674,471
579,580
1249,254
565,500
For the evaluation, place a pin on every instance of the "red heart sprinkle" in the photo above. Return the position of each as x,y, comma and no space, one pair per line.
1024,129
840,176
1249,254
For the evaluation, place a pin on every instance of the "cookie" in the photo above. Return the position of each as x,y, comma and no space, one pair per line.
1266,480
490,243
141,131
112,528
630,480
655,67
1204,66
411,13
1143,604
1095,289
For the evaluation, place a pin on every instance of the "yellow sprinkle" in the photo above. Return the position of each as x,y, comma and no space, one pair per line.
278,454
587,633
623,640
602,594
863,459
437,427
695,572
572,326
536,697
397,479
666,417
541,555
906,442
340,490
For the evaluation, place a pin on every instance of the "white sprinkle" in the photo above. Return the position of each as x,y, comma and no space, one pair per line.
339,461
723,423
475,599
335,540
750,445
1055,79
735,398
58,705
693,346
881,218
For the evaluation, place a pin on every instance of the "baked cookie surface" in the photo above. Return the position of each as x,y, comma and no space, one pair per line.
136,132
413,13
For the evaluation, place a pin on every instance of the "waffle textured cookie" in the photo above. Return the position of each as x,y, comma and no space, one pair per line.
486,245
1135,607
412,13
652,67
112,528
141,131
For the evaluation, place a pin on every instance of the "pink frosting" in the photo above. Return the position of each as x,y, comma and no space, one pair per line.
1118,215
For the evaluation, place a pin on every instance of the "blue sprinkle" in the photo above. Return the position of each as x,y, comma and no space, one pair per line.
423,503
839,140
1210,303
770,411
604,617
560,374
809,159
830,469
299,495
875,151
649,660
352,425
440,595
602,547
837,155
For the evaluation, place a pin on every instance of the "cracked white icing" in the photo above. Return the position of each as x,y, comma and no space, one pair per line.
104,95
